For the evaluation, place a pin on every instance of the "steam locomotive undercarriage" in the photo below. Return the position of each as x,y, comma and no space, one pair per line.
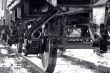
38,27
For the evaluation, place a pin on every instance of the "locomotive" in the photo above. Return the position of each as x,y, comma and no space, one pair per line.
44,26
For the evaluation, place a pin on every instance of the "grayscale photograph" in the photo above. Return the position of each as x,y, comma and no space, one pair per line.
54,36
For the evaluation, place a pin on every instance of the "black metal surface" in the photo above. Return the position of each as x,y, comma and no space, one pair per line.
74,2
40,23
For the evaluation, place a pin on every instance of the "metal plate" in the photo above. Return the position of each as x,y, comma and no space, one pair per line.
73,2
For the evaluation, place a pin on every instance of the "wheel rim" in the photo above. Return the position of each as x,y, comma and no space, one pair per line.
49,61
24,51
103,46
19,47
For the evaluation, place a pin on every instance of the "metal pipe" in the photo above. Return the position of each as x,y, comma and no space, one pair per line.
92,36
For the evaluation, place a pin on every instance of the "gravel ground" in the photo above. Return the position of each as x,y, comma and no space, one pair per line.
65,65
89,55
11,63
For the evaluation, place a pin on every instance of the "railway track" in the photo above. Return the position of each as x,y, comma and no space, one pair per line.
63,61
99,63
19,60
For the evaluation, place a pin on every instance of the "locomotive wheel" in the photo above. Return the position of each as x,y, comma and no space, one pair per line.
103,46
25,52
49,57
9,43
19,47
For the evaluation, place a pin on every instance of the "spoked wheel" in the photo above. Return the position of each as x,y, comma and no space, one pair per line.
19,47
24,51
103,45
9,42
49,57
